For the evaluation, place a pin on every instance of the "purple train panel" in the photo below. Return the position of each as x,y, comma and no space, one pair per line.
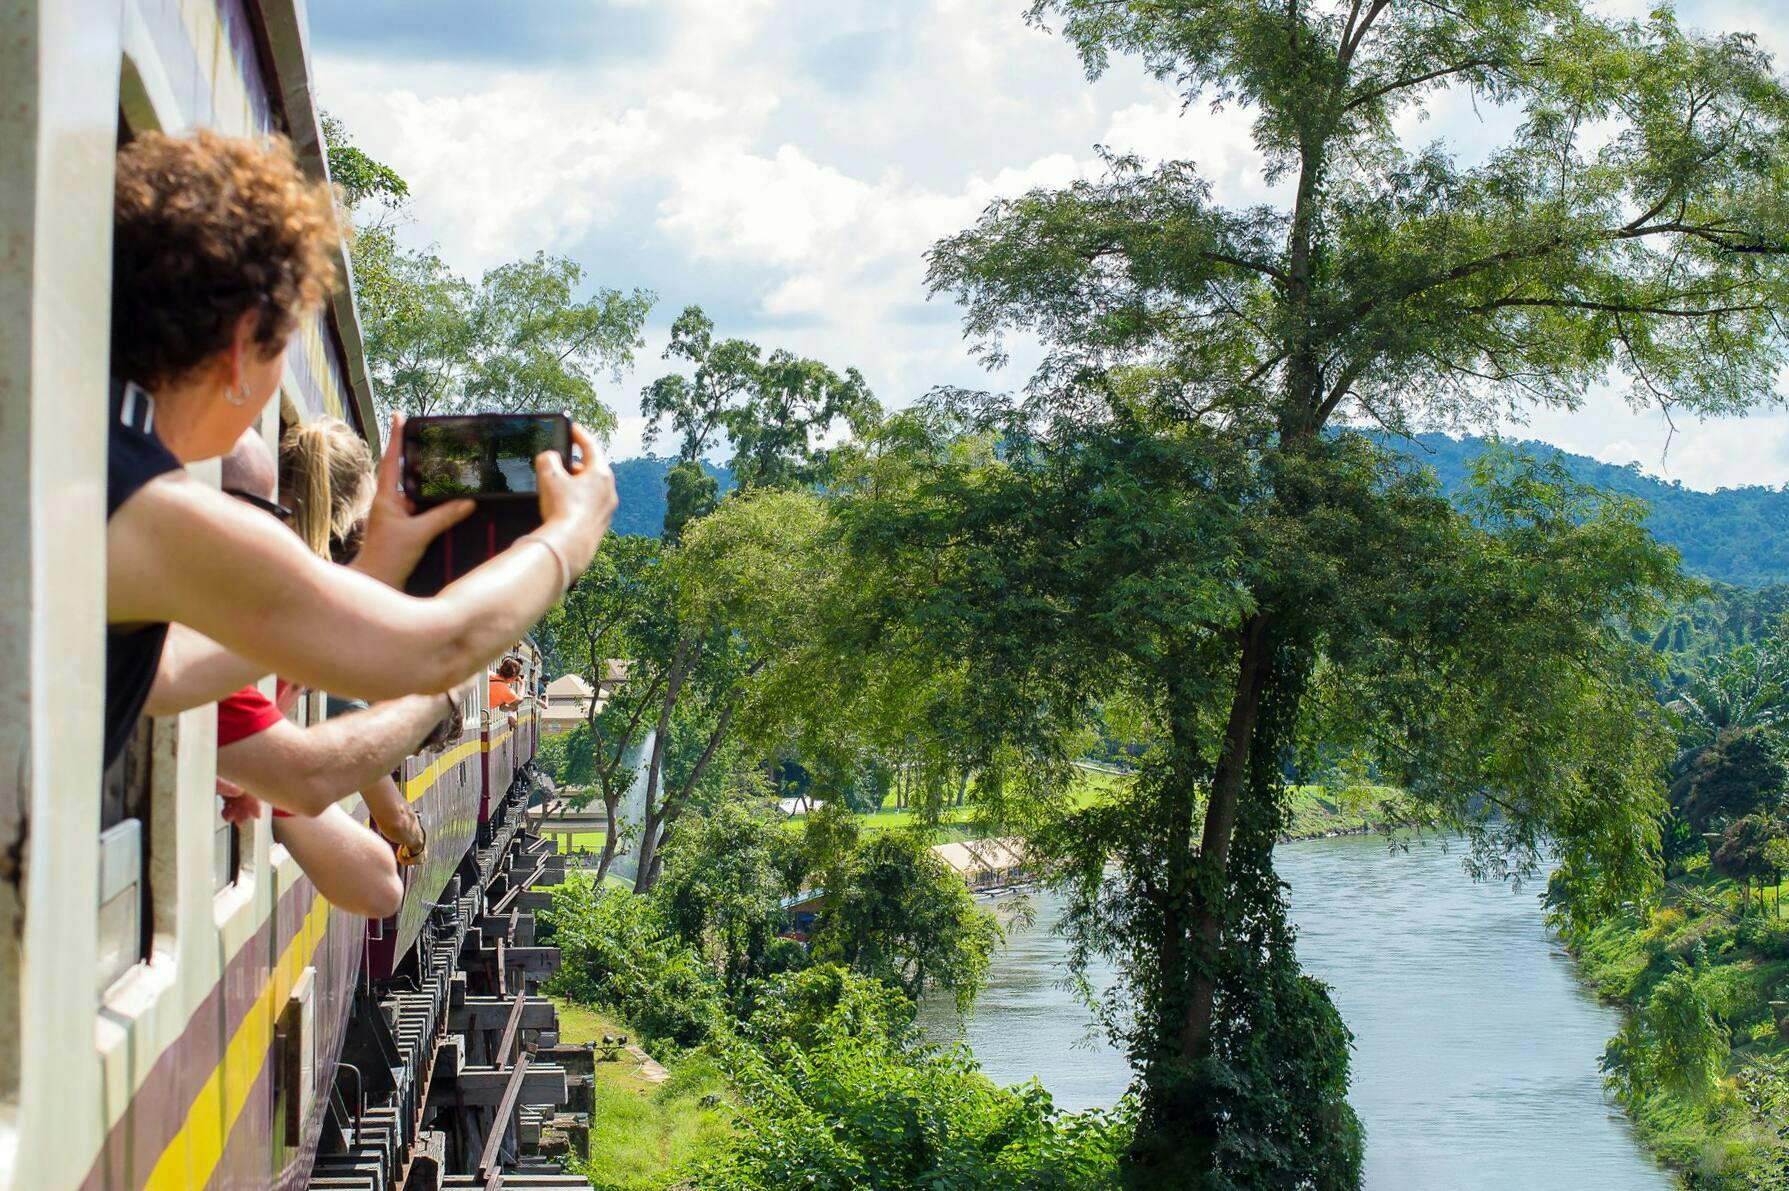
446,788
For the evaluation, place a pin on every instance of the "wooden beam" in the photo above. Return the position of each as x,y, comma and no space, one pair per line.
532,960
490,1013
483,1087
506,1111
509,1029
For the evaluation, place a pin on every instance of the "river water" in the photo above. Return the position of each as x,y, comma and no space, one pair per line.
1475,1064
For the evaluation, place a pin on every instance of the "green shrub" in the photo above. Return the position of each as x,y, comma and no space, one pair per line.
616,951
837,1098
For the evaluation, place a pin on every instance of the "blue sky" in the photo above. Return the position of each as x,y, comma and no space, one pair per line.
786,163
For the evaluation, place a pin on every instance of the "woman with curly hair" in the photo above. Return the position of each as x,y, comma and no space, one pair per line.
221,248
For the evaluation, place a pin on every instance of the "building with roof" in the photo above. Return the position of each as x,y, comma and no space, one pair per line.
567,704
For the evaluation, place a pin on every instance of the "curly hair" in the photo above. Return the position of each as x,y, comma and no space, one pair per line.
206,228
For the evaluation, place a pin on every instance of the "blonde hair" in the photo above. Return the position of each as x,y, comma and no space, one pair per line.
326,478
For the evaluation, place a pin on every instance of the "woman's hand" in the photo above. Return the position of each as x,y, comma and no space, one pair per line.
396,534
577,504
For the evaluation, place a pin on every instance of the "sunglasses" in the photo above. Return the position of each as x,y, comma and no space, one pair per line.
262,503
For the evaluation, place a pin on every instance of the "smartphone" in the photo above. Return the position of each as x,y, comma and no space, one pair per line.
487,457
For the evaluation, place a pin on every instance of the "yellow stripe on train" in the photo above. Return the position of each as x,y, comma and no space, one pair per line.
419,785
192,1156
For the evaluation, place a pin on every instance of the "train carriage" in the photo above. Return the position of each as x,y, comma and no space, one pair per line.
179,1008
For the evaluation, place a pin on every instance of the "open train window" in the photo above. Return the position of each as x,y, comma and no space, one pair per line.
126,910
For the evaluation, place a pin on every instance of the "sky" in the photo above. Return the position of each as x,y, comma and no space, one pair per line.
785,164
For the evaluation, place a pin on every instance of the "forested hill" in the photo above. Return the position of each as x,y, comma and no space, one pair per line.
1736,535
641,485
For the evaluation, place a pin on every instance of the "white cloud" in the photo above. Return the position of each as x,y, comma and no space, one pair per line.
725,168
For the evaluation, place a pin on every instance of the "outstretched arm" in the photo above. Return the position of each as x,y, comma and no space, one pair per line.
348,863
307,770
180,551
194,671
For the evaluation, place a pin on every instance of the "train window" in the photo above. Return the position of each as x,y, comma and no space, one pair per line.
126,912
226,852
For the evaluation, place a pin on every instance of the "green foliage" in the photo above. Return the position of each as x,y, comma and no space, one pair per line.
521,339
1674,1043
775,410
360,177
902,915
838,1098
1169,517
723,886
1740,852
616,951
1716,978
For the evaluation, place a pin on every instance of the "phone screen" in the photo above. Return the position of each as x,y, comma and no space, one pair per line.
482,455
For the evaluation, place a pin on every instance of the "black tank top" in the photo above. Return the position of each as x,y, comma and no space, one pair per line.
134,457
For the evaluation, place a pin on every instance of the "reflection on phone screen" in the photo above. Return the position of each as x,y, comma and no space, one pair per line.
493,456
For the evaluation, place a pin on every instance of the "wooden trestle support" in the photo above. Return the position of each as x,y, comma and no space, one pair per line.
452,1075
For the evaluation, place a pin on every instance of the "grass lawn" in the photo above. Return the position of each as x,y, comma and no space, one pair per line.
581,841
1316,810
955,822
642,1134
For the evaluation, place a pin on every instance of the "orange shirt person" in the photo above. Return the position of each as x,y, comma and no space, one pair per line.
503,692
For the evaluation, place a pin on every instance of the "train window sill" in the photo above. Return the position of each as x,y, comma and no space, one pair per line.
135,992
230,900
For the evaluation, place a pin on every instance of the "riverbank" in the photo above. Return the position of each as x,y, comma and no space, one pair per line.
1702,1063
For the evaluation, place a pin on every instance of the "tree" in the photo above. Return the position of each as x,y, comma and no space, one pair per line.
1740,854
617,951
1746,688
612,612
901,915
723,886
520,340
358,176
1178,507
1737,775
776,411
740,589
1676,1041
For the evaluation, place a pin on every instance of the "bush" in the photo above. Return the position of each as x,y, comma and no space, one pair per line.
616,951
837,1097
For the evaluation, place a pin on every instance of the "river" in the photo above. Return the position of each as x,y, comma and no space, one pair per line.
1475,1063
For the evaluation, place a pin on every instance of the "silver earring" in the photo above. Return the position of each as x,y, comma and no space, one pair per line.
238,395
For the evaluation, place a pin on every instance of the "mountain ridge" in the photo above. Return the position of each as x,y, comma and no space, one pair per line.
1732,535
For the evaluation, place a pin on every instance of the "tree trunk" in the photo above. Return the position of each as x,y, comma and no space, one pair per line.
610,803
650,857
1211,871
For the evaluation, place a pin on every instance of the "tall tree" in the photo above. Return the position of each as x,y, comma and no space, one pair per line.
776,412
521,339
742,585
1177,507
613,613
